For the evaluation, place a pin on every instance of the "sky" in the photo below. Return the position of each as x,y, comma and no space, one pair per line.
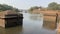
26,4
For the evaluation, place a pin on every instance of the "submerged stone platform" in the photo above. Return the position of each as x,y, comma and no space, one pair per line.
10,18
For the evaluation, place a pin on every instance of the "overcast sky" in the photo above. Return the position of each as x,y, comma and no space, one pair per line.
25,4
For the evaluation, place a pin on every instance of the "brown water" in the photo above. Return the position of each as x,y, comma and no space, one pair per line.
31,25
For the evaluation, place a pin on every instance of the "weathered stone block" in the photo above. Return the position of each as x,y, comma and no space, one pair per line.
10,18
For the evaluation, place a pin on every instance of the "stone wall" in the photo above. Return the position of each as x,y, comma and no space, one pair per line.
2,22
50,18
58,28
49,14
10,18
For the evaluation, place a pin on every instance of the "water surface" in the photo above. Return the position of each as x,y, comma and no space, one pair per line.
32,24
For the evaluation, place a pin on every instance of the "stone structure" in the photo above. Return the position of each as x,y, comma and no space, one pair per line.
10,18
49,15
52,17
49,25
58,28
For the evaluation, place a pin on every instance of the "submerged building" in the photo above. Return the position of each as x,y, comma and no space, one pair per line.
10,18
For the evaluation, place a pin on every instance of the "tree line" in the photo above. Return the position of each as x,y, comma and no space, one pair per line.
4,7
51,6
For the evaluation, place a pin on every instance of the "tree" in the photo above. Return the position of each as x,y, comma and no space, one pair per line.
4,7
53,6
58,6
32,8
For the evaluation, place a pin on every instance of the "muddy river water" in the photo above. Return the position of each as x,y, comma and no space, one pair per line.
32,24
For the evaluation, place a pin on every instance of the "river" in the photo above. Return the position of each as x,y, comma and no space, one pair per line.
32,24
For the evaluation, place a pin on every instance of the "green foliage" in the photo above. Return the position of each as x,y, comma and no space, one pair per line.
35,7
53,6
58,6
4,7
32,8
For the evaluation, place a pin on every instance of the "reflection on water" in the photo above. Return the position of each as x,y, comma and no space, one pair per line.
12,30
36,16
32,24
49,25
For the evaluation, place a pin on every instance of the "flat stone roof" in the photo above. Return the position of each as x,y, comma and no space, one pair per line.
7,12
